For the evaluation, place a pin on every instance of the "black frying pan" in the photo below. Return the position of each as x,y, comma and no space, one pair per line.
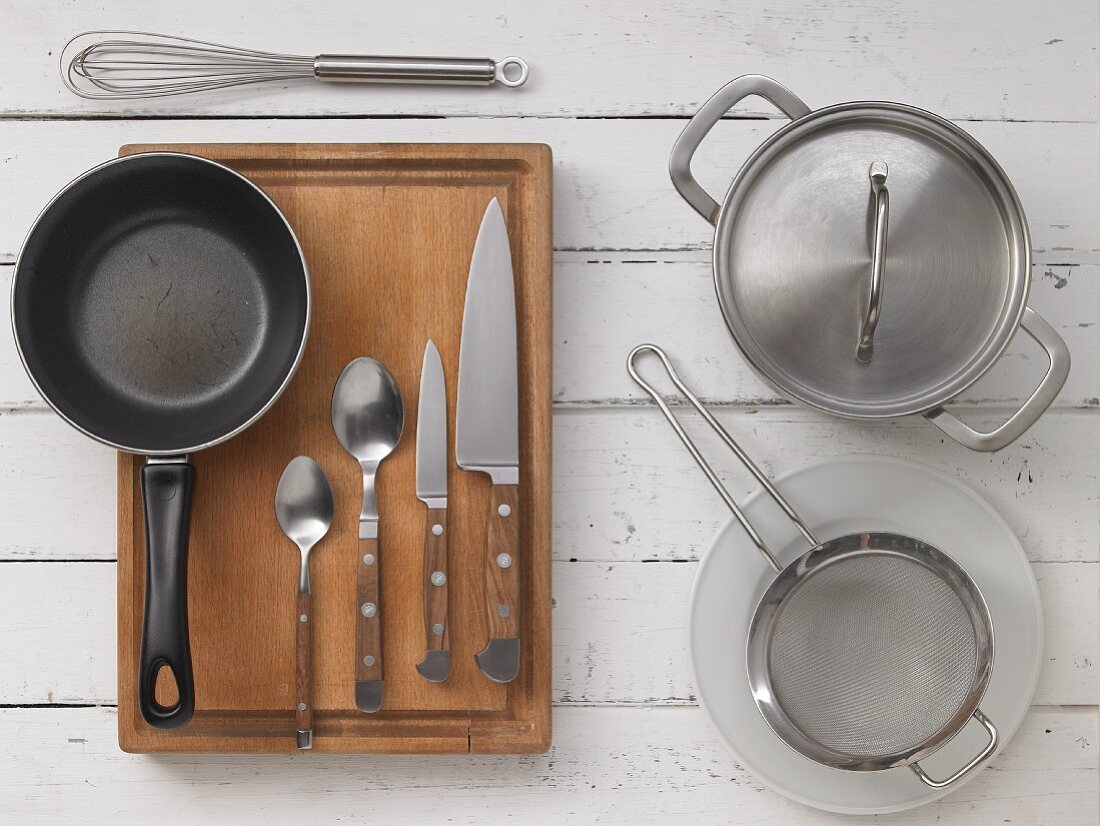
161,304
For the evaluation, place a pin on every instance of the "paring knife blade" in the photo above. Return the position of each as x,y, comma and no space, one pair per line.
431,489
487,431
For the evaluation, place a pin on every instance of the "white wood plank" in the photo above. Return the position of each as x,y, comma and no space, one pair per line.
58,491
627,765
966,60
601,310
624,489
612,189
619,633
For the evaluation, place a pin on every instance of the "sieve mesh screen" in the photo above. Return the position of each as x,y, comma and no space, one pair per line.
872,655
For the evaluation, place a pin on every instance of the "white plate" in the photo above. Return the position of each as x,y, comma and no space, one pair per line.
842,496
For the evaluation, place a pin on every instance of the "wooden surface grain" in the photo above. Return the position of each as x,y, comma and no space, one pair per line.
626,764
387,231
976,60
503,610
435,593
368,629
303,663
611,87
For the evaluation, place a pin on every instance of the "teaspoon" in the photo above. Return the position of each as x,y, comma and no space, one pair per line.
303,506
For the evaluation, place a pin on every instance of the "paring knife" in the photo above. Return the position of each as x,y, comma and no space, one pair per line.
431,489
487,432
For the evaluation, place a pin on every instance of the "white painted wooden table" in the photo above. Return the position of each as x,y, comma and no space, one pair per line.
611,86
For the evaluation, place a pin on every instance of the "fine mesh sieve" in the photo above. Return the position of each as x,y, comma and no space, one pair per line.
872,655
868,652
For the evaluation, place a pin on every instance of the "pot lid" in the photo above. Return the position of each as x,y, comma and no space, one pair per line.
795,260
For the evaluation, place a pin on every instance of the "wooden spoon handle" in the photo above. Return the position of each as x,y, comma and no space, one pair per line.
368,629
303,672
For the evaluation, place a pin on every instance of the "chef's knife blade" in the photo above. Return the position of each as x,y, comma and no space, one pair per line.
487,424
431,489
487,431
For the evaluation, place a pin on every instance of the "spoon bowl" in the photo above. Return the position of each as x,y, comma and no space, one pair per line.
304,508
367,412
303,502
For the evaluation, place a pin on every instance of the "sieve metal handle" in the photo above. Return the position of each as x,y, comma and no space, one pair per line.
730,443
985,754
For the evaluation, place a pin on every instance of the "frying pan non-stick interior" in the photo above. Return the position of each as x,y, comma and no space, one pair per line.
160,303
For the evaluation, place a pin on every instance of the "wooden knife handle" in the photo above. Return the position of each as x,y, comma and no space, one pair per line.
368,614
502,562
435,585
303,668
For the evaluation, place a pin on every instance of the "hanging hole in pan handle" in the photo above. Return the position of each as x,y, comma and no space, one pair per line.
1037,403
724,435
983,755
880,220
679,162
164,691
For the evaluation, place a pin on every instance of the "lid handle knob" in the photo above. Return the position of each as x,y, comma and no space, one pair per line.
880,197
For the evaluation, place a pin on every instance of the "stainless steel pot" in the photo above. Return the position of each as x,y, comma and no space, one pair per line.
871,260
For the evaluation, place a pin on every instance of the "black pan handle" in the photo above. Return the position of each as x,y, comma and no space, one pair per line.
166,499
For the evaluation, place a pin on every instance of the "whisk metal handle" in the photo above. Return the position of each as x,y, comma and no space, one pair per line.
447,71
730,443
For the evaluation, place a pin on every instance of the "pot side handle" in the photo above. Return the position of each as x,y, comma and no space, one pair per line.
1031,409
679,162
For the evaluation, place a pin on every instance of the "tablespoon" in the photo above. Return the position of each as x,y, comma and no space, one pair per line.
368,417
303,506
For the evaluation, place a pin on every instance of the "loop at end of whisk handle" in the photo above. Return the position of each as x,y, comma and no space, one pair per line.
434,71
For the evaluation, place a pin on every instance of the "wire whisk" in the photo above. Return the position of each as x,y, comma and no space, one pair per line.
131,64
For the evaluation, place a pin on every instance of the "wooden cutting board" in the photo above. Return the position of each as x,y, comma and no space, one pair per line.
387,231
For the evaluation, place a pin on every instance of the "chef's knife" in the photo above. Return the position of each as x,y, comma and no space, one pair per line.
431,489
487,432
